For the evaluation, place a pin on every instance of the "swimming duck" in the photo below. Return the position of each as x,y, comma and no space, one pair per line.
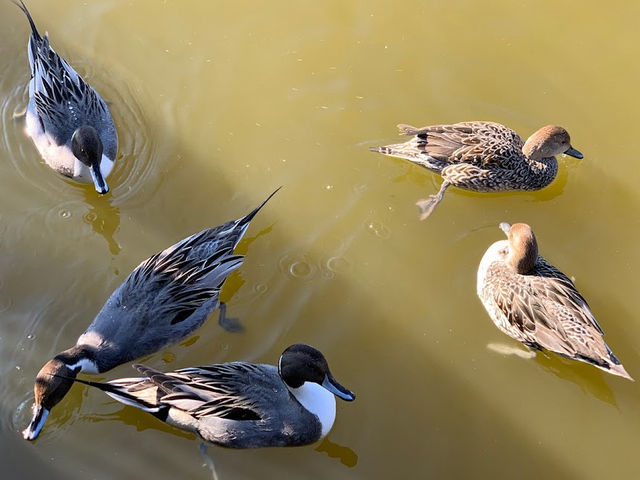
240,404
163,300
535,303
67,120
482,157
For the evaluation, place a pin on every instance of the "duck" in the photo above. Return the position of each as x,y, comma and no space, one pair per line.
240,404
536,304
163,300
482,157
69,123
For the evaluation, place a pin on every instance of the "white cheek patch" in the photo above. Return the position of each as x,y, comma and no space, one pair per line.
85,365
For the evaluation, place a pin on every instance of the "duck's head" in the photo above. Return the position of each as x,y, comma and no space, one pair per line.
548,142
523,247
52,383
86,146
301,363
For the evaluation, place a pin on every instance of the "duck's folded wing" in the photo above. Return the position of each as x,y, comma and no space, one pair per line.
477,143
223,391
559,289
528,311
63,99
175,286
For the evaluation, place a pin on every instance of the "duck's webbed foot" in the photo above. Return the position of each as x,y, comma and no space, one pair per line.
517,351
230,324
428,205
208,461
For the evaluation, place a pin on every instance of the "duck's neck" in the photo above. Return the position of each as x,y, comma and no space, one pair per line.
319,401
542,170
79,357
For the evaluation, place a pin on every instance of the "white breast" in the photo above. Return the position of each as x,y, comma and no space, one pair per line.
319,401
491,255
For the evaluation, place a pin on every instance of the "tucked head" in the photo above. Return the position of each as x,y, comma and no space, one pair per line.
86,146
548,142
52,383
523,247
301,363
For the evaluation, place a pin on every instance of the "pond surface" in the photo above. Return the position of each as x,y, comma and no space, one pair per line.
218,103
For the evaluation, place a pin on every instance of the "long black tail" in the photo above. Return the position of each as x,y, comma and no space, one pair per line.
249,217
34,30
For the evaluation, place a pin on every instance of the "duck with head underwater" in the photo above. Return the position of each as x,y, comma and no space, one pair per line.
162,301
69,123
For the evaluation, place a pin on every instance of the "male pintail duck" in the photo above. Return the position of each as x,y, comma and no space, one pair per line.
482,156
165,299
67,120
240,404
535,303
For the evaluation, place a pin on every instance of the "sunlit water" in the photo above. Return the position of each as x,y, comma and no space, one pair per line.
218,103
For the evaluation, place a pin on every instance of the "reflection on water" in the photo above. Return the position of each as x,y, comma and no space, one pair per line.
346,456
104,218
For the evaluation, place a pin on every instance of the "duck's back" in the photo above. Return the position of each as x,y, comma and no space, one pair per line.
62,101
479,143
250,407
163,300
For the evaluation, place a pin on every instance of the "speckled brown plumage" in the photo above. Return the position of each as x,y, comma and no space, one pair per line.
535,303
482,156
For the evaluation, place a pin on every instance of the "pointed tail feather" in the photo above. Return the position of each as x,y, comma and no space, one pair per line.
121,394
618,370
34,30
247,218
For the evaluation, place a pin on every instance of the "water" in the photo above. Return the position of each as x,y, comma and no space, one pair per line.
218,103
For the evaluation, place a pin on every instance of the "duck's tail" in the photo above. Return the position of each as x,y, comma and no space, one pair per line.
620,370
117,389
247,218
34,30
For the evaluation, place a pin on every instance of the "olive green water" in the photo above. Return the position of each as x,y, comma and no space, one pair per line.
218,103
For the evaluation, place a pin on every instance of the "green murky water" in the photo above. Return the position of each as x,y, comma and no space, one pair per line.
216,104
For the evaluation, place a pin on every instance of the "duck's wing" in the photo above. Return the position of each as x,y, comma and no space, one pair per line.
231,391
560,290
477,143
547,309
173,286
181,278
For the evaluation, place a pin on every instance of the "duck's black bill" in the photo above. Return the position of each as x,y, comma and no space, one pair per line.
338,390
574,153
40,415
98,180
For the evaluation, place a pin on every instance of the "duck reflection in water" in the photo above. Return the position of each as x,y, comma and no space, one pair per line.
103,217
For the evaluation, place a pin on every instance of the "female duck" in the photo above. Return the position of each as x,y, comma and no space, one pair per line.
67,120
165,299
482,156
239,404
535,303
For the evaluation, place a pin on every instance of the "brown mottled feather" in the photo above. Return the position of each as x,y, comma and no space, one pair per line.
543,309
